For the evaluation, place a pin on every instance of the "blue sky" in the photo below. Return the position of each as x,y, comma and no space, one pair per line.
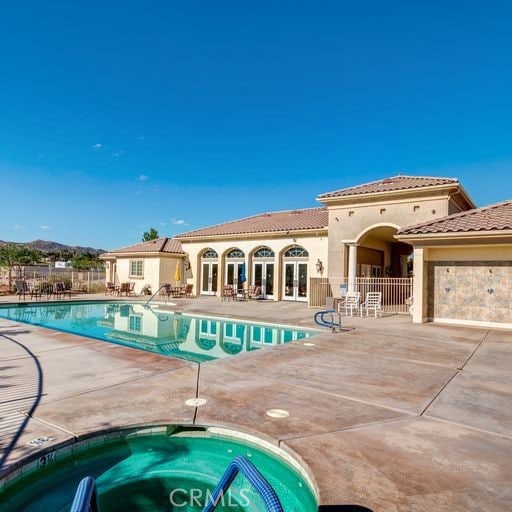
119,116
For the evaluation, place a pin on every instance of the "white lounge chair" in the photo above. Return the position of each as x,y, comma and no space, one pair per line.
373,303
350,303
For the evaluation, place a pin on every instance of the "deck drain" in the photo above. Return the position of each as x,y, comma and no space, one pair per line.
309,344
195,402
277,413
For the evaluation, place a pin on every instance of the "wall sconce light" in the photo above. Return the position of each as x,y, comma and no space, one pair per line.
186,265
319,266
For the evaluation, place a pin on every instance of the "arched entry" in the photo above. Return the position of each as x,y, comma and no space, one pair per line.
209,272
235,259
379,254
263,266
295,274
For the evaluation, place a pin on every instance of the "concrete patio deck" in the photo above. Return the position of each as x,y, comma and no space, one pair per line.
390,415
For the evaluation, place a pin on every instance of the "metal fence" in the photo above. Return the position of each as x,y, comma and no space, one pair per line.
396,292
86,282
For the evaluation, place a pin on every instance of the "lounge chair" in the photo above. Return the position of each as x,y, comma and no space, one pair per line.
373,303
350,303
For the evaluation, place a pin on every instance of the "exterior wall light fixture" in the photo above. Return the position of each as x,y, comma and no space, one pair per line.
319,266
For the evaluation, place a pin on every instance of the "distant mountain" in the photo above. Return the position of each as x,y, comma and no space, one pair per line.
48,246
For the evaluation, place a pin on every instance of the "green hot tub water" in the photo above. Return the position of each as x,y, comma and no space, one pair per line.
143,473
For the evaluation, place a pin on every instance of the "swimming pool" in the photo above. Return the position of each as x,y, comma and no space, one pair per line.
191,337
159,469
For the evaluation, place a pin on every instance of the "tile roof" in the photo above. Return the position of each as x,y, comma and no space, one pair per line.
395,183
495,217
163,244
289,220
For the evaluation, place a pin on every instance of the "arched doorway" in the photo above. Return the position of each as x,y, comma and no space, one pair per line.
295,274
235,259
263,267
209,272
380,255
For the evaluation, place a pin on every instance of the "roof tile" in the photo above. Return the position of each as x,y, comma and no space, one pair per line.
289,220
395,183
495,217
163,244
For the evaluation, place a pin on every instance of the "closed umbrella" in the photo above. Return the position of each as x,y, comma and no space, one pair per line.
243,277
177,272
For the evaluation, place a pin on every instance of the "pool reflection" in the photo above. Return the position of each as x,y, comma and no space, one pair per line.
195,338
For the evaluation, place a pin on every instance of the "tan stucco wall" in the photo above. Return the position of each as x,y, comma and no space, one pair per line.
316,246
157,270
348,222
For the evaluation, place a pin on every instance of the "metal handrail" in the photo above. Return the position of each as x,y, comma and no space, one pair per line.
86,497
256,479
162,286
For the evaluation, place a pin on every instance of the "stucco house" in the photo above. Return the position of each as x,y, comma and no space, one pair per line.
367,235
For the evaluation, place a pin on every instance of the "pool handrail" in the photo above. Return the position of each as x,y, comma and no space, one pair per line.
86,497
155,294
255,478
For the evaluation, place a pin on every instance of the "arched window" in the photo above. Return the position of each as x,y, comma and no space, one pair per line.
296,252
210,254
264,252
235,253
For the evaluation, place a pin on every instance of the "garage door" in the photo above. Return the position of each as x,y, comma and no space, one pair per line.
470,291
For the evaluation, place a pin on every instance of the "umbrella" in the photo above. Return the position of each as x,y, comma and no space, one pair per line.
243,277
177,272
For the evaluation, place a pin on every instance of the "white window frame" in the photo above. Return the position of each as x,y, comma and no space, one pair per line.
131,264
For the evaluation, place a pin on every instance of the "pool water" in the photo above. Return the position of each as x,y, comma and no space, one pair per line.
159,472
191,337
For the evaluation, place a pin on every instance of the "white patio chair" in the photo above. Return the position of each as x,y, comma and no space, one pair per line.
350,303
373,303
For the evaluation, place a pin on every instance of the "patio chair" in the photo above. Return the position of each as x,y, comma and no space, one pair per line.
350,303
22,288
110,288
125,288
186,291
59,290
373,303
254,292
131,291
228,292
167,290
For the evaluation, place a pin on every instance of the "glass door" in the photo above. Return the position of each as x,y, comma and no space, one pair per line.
234,272
289,281
263,276
295,281
209,278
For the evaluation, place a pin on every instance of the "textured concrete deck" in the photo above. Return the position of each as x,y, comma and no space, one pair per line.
390,416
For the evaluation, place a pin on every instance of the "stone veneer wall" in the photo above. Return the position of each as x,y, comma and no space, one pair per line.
478,291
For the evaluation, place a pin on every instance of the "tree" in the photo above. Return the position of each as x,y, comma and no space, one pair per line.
152,234
86,261
12,255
